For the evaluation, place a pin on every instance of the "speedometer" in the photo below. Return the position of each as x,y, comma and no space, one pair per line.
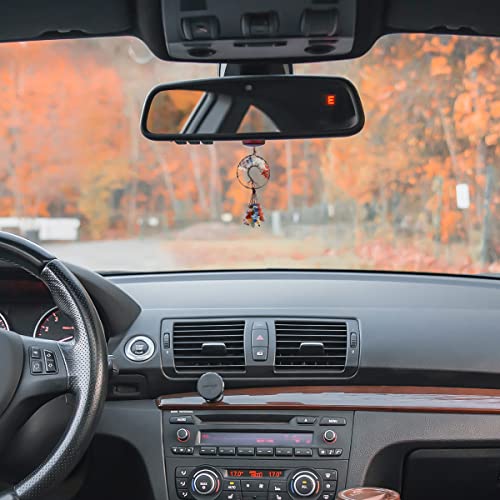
3,322
54,325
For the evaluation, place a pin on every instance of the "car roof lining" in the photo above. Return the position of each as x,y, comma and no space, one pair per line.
25,20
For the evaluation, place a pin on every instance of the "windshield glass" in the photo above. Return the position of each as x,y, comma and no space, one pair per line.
416,190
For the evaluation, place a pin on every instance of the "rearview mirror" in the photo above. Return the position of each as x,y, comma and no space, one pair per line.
257,107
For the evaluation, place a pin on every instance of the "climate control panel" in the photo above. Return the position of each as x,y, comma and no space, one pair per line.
226,483
215,454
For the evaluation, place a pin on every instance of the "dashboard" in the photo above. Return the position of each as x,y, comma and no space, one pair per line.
331,379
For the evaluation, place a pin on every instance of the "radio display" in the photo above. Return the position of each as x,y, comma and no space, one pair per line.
255,473
256,438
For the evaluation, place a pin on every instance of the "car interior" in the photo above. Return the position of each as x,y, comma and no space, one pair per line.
237,373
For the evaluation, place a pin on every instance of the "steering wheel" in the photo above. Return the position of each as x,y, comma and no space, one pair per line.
33,371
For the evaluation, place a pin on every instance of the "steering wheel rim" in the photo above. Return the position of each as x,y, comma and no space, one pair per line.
82,367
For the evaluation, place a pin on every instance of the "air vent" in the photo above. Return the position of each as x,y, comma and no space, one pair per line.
200,346
311,346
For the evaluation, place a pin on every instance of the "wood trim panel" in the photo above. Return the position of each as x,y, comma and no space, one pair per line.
366,398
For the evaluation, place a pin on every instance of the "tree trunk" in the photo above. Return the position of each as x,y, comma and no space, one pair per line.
195,164
487,252
214,184
289,175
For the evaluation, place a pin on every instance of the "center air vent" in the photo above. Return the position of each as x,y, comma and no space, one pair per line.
309,345
200,346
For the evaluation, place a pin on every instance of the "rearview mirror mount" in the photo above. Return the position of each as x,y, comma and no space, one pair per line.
252,107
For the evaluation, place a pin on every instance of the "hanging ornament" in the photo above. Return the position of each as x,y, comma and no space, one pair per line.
253,173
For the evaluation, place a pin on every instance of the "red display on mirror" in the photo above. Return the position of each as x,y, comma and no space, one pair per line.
331,99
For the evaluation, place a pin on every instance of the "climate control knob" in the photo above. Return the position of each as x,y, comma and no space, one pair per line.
305,484
205,482
329,436
183,434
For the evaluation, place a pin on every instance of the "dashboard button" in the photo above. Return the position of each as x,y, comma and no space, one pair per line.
328,475
284,452
306,420
326,452
259,325
329,436
208,450
259,353
231,485
182,434
333,421
245,451
181,419
279,496
189,450
277,486
303,452
183,494
227,450
265,452
181,483
183,471
261,485
330,486
230,495
260,338
139,347
253,495
205,482
178,450
327,496
305,484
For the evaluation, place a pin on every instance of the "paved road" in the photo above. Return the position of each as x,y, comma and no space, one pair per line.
117,255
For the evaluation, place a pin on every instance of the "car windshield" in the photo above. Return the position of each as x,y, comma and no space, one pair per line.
416,190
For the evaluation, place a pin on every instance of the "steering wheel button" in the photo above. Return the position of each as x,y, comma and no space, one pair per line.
36,366
35,353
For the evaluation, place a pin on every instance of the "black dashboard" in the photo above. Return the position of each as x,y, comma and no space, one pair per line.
393,363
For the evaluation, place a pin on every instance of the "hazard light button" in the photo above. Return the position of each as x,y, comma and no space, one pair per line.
260,338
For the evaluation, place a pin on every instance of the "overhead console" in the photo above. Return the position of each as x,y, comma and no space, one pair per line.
225,30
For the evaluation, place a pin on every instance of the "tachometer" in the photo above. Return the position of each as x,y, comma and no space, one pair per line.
3,322
54,325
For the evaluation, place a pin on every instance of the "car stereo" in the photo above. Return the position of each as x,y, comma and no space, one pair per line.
256,455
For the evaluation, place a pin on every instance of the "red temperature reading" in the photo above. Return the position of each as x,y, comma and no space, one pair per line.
257,474
275,473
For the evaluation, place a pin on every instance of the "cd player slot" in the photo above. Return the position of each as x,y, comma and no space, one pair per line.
244,418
